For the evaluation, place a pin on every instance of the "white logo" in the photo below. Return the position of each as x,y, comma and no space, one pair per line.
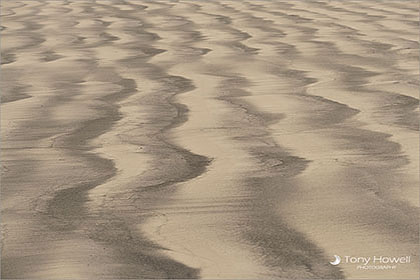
337,260
373,262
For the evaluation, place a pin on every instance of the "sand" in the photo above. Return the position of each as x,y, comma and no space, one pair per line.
208,139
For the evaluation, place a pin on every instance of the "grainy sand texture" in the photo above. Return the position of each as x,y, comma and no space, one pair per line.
218,139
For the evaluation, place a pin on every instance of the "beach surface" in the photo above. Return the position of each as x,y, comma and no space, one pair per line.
225,139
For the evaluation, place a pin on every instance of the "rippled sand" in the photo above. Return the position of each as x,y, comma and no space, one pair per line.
224,139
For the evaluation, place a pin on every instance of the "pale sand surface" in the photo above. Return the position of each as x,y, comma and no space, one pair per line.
208,139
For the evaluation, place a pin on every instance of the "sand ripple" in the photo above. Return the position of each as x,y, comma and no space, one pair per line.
213,139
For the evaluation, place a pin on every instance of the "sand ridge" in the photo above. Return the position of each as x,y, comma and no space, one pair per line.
216,139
